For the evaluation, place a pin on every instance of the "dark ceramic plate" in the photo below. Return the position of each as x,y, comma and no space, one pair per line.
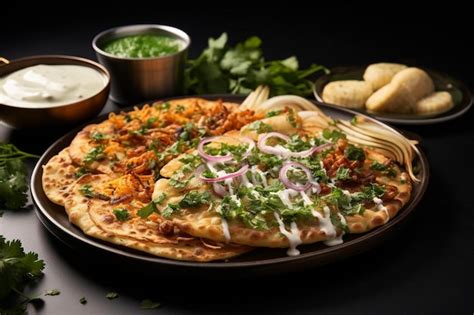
261,260
460,93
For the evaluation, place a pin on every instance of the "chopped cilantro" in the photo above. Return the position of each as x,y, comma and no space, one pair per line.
170,210
163,106
121,214
95,154
87,191
260,127
376,166
127,118
389,171
150,121
147,210
337,222
208,174
52,292
223,149
83,300
354,121
292,118
274,113
343,173
160,198
354,153
97,136
112,295
180,108
195,198
333,135
81,171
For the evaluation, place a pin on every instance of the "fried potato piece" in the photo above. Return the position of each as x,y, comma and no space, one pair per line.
391,98
347,93
415,82
402,93
434,103
380,74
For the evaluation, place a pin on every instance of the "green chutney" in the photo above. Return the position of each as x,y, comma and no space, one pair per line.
143,46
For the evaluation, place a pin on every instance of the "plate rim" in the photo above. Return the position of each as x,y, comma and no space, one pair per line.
374,234
415,121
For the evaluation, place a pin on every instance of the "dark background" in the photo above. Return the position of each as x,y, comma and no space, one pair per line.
427,268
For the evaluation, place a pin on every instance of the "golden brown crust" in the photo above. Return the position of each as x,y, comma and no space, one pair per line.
58,176
95,217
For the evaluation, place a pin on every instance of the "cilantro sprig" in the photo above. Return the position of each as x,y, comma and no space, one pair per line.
222,68
13,176
17,269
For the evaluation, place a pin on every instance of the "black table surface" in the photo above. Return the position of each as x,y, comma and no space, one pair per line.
427,268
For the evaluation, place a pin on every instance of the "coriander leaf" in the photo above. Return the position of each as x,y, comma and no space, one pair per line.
97,136
160,198
17,268
147,210
121,214
195,199
170,210
81,171
333,135
87,191
13,176
376,166
354,153
83,300
148,304
94,154
52,292
260,127
112,295
343,173
239,69
273,113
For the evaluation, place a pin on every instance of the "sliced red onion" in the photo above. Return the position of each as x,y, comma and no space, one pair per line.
211,158
311,151
288,183
273,150
222,158
284,151
241,171
199,170
218,189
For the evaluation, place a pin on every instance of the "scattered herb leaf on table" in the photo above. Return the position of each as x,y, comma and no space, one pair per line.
13,176
17,269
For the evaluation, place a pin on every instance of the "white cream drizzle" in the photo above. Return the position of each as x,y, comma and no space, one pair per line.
380,207
327,227
225,229
225,226
285,196
306,200
293,236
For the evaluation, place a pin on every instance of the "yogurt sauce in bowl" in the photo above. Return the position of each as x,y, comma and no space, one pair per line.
50,85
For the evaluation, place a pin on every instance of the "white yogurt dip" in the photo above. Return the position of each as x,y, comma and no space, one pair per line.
50,85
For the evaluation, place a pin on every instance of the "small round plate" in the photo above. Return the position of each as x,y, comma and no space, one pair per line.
460,93
260,261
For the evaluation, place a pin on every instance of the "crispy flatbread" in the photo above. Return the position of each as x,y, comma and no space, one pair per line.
201,222
96,218
58,176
